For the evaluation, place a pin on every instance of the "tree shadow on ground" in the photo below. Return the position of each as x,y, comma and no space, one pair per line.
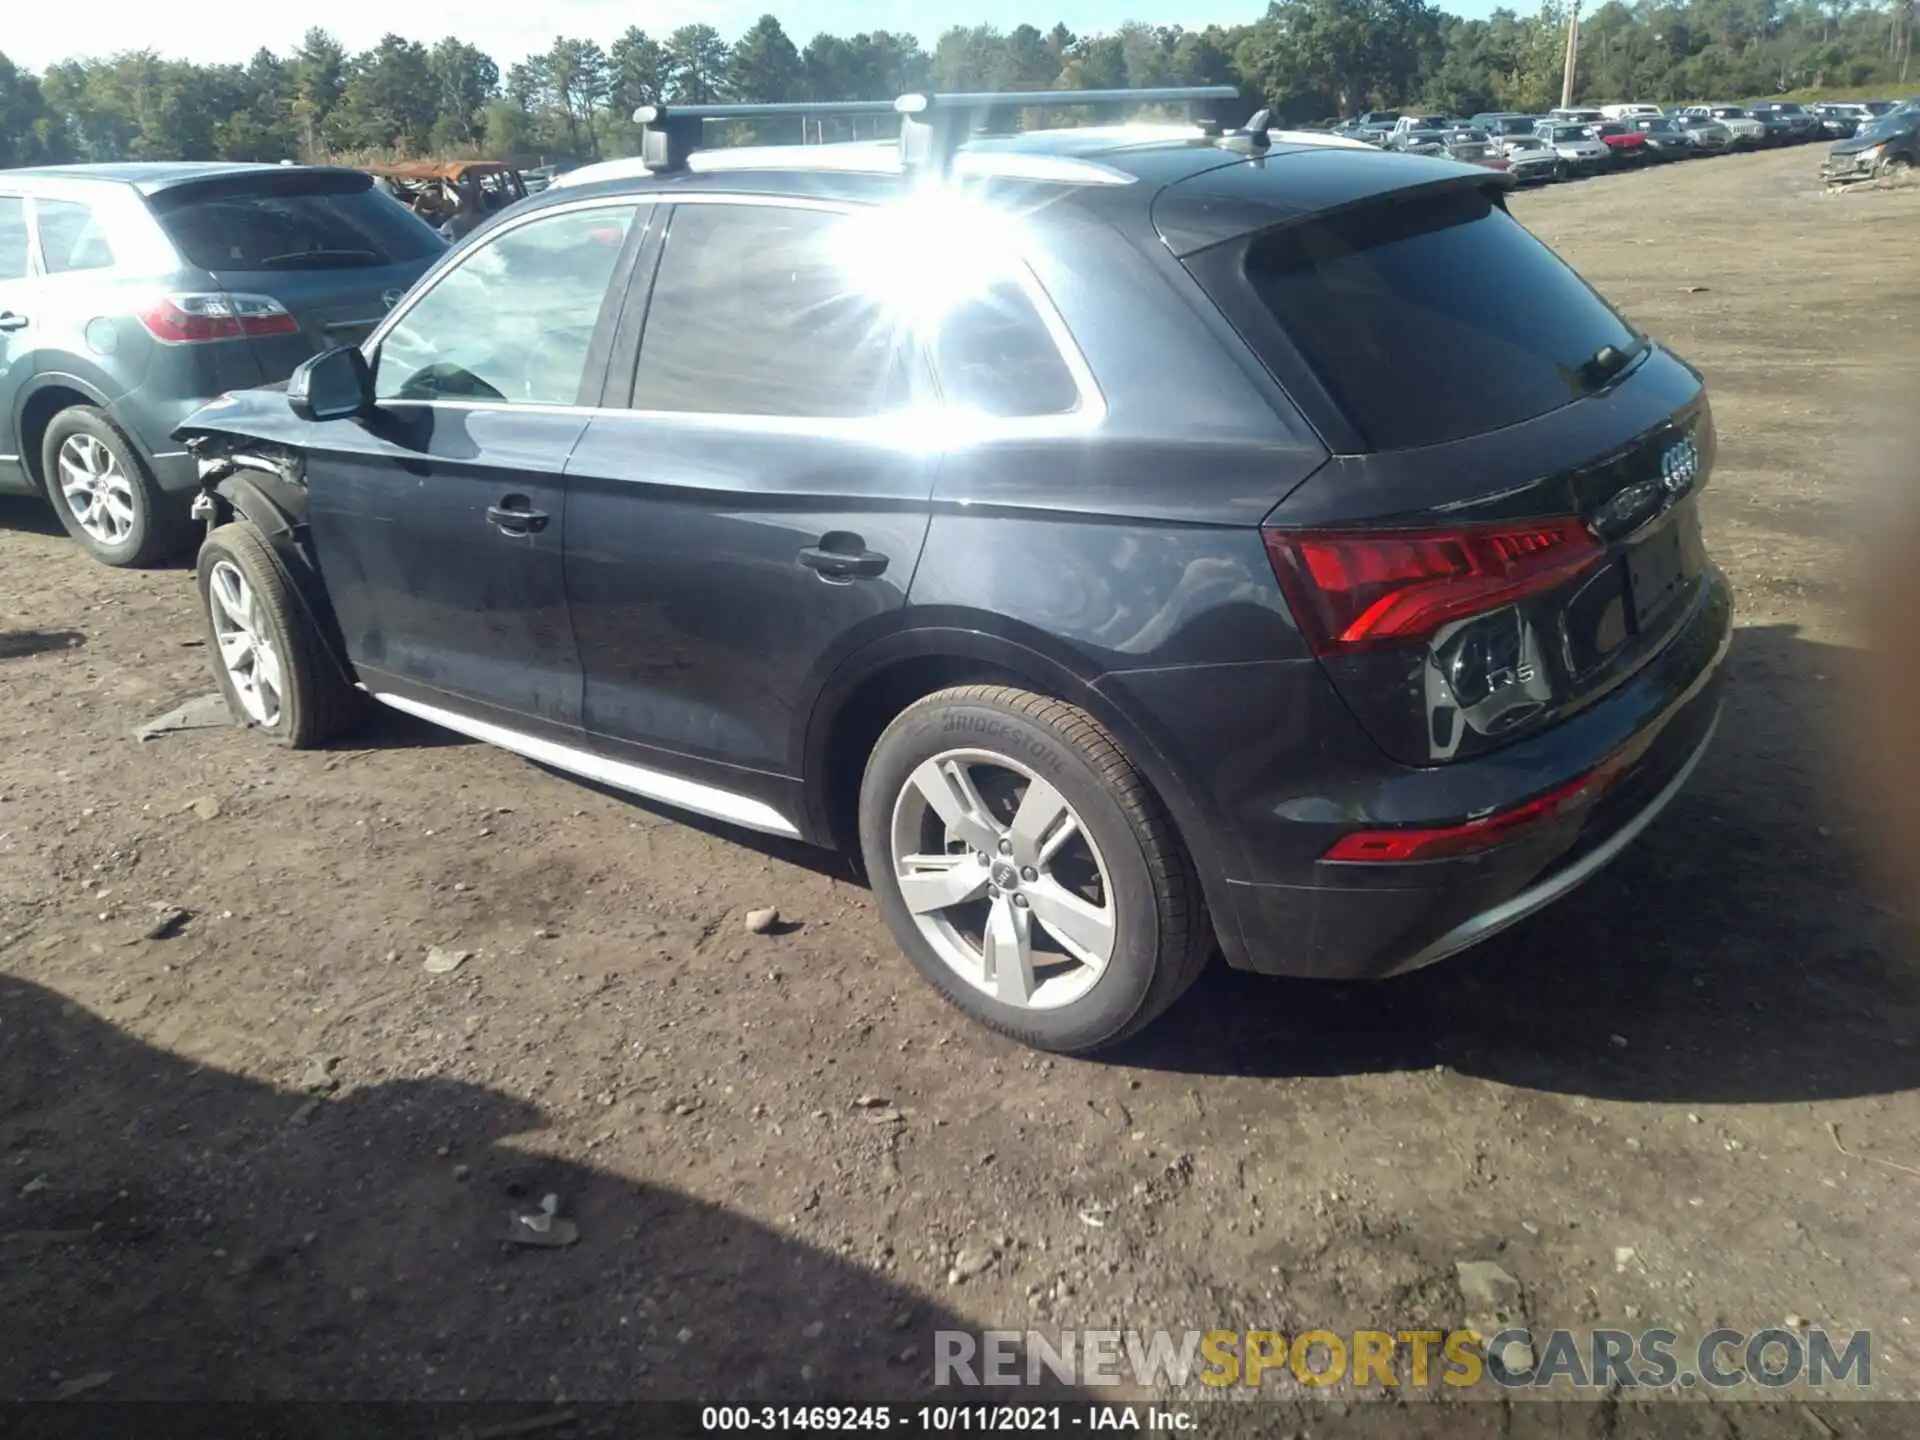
190,1233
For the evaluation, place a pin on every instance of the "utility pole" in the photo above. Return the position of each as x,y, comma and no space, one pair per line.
1573,56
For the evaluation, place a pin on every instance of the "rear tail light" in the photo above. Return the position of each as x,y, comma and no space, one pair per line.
1359,589
1470,836
179,319
1483,832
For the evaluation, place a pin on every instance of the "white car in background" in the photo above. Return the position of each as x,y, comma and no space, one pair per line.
1576,144
1629,112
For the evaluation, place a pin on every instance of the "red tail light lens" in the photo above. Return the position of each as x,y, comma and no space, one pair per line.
197,319
1484,832
1354,589
1471,836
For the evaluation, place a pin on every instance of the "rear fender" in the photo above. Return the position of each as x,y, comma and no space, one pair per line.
1012,660
275,505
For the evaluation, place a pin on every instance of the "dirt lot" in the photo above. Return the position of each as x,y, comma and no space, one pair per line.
270,1155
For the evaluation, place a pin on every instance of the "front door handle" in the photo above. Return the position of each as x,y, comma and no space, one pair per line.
12,320
515,515
840,557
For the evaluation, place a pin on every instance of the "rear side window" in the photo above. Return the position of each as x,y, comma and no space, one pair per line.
753,313
71,237
320,227
1435,318
13,238
994,356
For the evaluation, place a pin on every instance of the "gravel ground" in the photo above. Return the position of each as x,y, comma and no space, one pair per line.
270,1155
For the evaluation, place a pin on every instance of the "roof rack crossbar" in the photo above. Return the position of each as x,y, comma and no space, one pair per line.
670,133
933,126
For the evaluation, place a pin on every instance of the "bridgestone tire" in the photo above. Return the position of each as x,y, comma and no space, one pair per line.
1162,939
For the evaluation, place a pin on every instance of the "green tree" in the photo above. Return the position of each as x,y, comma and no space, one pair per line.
765,66
26,121
318,70
388,101
696,65
465,79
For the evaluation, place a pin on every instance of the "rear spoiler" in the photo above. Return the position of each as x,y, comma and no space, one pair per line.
1289,187
268,180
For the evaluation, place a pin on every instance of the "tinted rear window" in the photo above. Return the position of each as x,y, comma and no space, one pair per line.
1435,318
280,227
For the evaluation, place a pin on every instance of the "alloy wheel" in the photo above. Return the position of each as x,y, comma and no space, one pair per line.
246,647
1003,879
97,491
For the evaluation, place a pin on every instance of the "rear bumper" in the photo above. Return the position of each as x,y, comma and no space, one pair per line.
151,421
1304,916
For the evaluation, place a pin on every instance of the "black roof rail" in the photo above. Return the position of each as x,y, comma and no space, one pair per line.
933,126
670,133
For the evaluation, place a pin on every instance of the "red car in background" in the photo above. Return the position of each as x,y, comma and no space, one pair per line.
1625,143
1474,148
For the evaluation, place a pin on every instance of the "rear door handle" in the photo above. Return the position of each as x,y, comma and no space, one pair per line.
10,320
515,515
843,563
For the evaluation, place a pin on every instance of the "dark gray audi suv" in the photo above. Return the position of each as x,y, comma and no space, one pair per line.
1129,541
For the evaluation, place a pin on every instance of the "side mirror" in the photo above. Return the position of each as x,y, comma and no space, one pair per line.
334,385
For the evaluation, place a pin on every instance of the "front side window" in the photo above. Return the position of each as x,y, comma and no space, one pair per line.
71,237
514,320
757,310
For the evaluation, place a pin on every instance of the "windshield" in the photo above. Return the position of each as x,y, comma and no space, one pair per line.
1566,134
1657,127
1470,150
1526,142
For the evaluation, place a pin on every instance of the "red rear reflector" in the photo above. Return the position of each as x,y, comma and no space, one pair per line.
196,319
1351,589
1471,836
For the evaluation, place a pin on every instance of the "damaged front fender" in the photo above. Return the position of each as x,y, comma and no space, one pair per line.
264,487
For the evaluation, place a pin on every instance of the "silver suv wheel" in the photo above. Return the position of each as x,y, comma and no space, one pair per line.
96,489
1003,879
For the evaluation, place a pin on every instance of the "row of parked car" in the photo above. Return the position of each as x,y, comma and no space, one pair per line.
1583,141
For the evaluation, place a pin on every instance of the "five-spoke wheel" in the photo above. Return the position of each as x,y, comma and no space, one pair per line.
1027,869
1003,879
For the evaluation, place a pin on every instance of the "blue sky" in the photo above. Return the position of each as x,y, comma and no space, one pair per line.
37,32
